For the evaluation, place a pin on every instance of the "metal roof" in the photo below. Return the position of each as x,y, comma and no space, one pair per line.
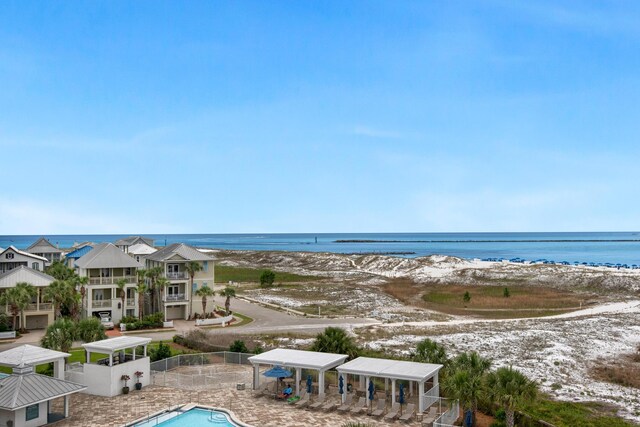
386,368
128,241
299,359
20,390
112,345
29,355
27,254
82,250
106,255
42,245
10,278
141,249
189,253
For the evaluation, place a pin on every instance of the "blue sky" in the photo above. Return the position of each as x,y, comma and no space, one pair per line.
325,116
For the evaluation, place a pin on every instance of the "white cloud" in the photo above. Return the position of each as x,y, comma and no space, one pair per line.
375,133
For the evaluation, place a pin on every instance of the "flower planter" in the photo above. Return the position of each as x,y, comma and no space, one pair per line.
138,386
125,390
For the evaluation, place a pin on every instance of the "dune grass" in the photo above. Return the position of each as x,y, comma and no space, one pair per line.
226,274
570,414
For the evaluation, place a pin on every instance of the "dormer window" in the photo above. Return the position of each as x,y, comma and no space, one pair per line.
9,255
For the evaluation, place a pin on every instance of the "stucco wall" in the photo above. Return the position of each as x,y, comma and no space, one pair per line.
105,381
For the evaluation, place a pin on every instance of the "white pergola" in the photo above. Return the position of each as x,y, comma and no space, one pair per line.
367,367
115,345
298,360
30,355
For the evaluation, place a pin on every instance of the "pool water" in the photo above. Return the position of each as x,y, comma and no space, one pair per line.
193,418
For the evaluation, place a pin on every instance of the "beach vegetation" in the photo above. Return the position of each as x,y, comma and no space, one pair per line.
60,335
205,292
162,351
464,379
120,285
267,277
506,293
510,389
228,292
466,297
335,340
90,330
18,298
238,346
226,274
59,271
429,351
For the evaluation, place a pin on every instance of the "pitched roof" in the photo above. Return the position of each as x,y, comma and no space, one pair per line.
27,254
9,278
106,255
29,355
189,253
42,245
141,249
20,390
128,241
82,250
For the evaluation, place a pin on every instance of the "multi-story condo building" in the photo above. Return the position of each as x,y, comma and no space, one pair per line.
39,313
179,300
125,243
11,258
105,265
42,247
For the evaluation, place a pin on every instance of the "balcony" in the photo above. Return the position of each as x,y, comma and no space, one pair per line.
175,297
176,275
103,303
43,306
111,280
131,302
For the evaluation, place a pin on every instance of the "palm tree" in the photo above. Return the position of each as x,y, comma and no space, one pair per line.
228,292
428,351
161,284
509,388
18,298
82,282
58,293
60,335
153,274
205,292
192,267
141,289
121,284
464,380
335,340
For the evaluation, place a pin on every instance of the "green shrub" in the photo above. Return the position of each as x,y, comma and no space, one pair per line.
238,346
163,351
151,321
267,278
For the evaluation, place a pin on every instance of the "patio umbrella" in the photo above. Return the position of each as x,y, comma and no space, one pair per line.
401,397
372,390
341,385
468,419
309,384
277,372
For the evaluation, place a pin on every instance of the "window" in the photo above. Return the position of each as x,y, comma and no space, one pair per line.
138,258
173,268
9,255
32,412
205,266
35,266
127,271
106,272
194,287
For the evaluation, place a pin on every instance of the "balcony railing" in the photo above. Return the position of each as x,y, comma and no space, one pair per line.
111,280
44,306
101,303
175,297
131,302
177,275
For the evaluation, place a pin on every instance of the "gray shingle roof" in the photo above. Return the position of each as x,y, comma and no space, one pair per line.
20,390
189,253
128,241
106,255
44,246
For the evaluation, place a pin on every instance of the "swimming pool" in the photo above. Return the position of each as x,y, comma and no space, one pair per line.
191,417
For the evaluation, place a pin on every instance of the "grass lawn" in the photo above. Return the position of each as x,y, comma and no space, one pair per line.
226,274
569,414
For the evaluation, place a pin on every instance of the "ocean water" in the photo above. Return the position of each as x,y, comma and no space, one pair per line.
618,247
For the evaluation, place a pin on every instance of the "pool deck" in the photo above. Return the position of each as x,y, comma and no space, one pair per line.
87,410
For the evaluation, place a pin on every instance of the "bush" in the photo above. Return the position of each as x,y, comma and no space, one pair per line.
129,319
151,321
163,351
267,278
466,297
238,346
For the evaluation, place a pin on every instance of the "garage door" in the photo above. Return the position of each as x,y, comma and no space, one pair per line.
37,322
176,312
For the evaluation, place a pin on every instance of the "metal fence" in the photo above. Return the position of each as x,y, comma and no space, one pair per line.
449,416
217,370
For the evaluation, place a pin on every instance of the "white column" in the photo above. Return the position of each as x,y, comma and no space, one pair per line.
321,383
88,356
393,391
421,407
298,378
66,406
58,369
110,359
361,382
256,376
144,351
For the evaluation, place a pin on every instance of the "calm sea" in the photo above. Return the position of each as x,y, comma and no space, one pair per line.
583,247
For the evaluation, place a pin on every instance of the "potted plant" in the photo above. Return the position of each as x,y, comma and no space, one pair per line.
125,378
138,375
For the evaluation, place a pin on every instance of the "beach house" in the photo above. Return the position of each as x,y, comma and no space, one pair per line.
12,258
42,247
140,251
125,243
39,313
105,265
178,298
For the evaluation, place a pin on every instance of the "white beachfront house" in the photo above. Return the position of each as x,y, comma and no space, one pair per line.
178,299
11,258
105,265
127,242
42,247
124,355
39,313
140,251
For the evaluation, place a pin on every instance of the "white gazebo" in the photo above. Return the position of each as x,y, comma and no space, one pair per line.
30,355
103,378
420,373
298,360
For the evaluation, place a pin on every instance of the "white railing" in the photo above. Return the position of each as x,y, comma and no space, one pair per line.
101,303
111,280
431,396
175,297
131,302
43,306
177,275
449,416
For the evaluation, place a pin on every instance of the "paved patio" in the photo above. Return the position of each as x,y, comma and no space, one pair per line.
86,410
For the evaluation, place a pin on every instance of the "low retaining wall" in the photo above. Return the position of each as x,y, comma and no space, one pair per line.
217,321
